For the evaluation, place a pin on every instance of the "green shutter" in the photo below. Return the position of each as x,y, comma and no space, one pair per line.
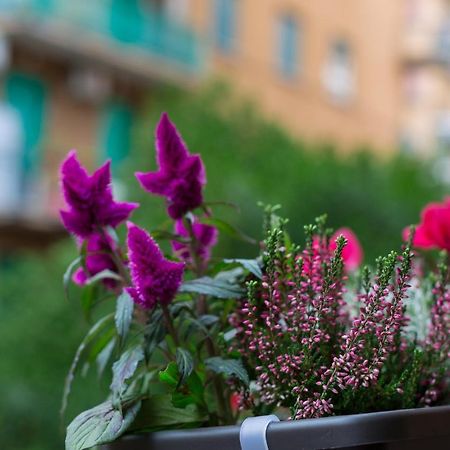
28,95
126,20
116,131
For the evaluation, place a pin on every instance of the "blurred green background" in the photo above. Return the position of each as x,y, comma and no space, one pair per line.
247,160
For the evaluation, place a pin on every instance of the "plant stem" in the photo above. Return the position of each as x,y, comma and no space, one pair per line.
223,407
169,324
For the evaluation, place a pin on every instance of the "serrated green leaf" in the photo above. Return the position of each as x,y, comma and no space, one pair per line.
228,229
251,265
124,368
99,425
212,287
92,334
124,314
185,364
228,367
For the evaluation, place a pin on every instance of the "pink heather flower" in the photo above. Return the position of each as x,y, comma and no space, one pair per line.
155,279
352,253
205,237
98,258
434,228
181,176
89,198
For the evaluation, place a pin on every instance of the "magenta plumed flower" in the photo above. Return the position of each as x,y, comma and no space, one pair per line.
205,237
155,279
98,259
181,176
89,198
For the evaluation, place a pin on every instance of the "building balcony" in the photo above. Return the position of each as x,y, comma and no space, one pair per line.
428,45
121,34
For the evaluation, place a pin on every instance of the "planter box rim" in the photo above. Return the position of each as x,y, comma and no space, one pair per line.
307,434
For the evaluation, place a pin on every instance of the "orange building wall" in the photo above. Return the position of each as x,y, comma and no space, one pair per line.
372,28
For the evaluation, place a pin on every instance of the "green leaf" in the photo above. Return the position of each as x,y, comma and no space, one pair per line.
159,413
68,274
104,274
155,332
124,368
91,335
104,356
88,296
210,286
228,229
228,367
251,265
124,314
192,393
185,364
170,375
99,425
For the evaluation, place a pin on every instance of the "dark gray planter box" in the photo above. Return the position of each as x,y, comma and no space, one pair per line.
411,429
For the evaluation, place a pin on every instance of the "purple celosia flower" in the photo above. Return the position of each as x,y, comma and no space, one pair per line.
98,258
181,176
155,279
205,239
89,198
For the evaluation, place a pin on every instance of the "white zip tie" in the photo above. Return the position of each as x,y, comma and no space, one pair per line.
253,432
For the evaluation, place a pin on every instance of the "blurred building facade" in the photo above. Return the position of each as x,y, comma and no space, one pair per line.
354,72
73,75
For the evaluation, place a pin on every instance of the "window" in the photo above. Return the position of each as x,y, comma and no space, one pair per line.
288,46
28,95
338,76
116,132
225,24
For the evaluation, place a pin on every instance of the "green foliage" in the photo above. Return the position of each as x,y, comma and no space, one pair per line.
249,159
231,368
40,332
99,425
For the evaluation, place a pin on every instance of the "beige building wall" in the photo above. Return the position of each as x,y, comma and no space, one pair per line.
371,28
401,85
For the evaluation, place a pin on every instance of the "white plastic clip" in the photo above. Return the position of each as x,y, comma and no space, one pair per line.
253,432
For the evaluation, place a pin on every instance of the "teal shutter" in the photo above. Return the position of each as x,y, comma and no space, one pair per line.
116,131
27,94
126,20
44,6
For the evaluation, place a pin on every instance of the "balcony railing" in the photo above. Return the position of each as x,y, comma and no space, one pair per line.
126,24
